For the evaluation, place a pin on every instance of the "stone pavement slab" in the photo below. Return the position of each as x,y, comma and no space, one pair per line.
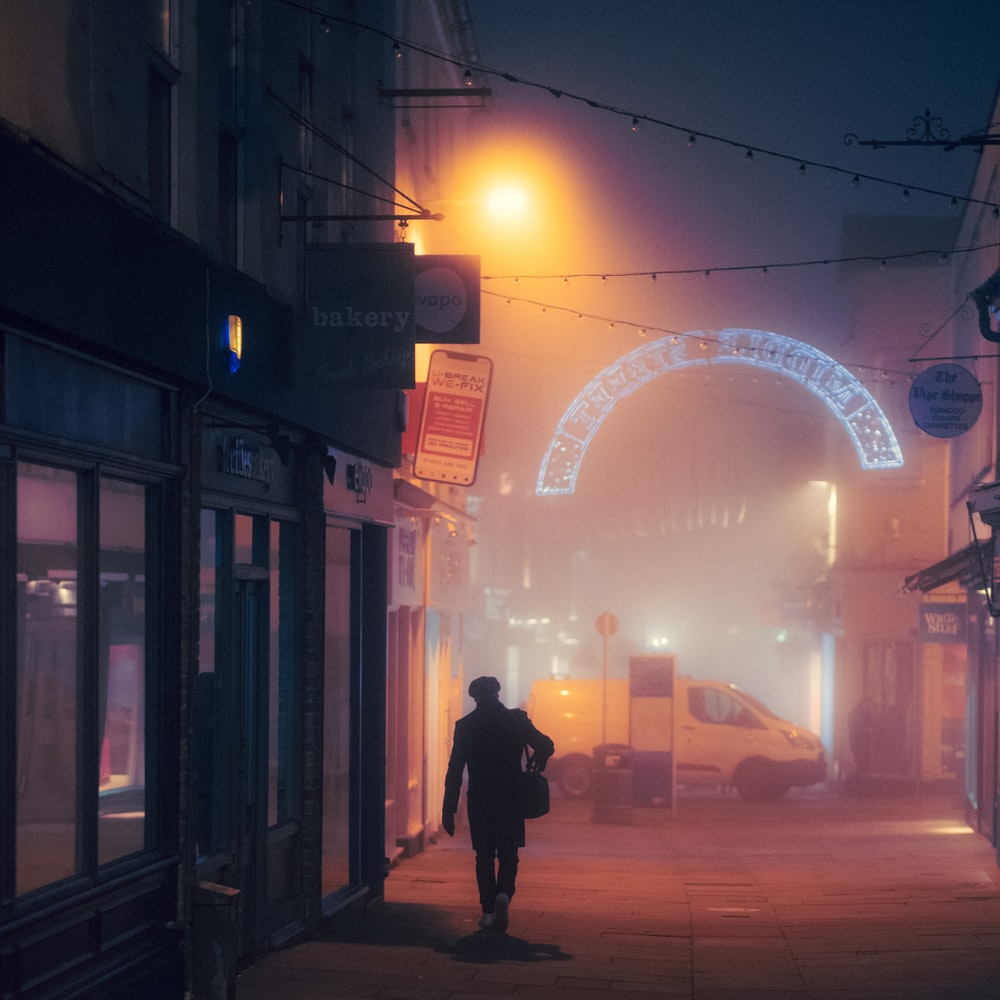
816,897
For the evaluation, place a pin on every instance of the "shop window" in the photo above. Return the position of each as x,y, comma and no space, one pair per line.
122,669
80,708
208,708
337,713
283,701
248,689
48,560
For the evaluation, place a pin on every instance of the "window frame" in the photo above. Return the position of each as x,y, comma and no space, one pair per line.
161,648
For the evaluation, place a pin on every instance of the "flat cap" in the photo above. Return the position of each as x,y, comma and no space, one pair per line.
484,687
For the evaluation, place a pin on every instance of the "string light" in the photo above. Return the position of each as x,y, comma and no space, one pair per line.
880,261
703,343
692,134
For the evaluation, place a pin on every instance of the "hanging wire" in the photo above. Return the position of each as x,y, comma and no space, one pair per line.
635,117
880,259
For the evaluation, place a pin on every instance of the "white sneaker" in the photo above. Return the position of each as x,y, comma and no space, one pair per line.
501,911
486,921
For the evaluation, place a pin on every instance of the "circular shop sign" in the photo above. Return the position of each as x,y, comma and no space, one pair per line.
946,400
442,299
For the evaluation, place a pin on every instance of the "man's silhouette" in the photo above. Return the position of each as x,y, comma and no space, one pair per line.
490,741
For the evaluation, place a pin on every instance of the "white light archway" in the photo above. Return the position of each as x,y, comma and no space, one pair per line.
849,401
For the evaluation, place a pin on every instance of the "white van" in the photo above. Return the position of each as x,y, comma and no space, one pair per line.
723,736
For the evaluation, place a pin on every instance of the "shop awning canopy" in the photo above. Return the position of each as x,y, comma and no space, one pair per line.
968,566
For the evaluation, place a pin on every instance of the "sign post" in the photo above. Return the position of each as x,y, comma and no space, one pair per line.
607,625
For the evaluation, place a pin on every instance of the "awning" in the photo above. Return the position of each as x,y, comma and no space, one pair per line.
966,566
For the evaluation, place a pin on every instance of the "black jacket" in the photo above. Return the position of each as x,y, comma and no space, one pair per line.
489,741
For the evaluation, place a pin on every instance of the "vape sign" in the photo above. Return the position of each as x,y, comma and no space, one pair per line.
451,423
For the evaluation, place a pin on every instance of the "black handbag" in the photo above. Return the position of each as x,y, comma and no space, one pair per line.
532,794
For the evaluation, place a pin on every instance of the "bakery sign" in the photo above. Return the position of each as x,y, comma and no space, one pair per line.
359,325
366,307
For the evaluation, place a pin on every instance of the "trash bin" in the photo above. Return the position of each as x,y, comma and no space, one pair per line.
216,908
611,783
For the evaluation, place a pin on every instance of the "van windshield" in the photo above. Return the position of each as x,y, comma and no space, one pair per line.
758,705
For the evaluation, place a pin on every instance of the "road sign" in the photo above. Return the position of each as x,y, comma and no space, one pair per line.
606,623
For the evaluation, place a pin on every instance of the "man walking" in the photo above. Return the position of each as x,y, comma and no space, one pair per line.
490,741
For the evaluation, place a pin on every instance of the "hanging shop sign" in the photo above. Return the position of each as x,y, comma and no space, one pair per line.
944,623
446,290
452,419
359,324
946,400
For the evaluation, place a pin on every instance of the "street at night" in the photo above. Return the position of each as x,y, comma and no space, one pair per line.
821,896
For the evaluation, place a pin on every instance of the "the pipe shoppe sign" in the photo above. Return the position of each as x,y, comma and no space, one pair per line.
366,307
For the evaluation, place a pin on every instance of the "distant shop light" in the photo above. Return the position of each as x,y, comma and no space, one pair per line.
234,342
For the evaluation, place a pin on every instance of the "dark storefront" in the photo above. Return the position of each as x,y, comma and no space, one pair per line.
192,609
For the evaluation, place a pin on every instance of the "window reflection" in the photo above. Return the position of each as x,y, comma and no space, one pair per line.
122,670
47,676
336,713
208,708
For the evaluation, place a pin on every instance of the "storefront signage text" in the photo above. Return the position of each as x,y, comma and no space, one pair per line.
361,480
944,623
237,458
945,400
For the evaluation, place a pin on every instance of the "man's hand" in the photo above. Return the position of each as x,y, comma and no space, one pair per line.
448,822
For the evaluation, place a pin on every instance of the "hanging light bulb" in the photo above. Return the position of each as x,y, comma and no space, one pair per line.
855,181
802,170
692,139
467,78
635,124
324,26
397,51
906,194
749,156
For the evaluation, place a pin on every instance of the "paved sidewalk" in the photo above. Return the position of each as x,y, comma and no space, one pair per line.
817,897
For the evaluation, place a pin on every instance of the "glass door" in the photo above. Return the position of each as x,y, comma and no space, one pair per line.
250,648
248,721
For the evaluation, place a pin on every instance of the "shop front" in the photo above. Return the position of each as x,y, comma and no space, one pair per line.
89,480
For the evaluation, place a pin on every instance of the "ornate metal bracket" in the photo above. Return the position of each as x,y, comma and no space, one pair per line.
926,130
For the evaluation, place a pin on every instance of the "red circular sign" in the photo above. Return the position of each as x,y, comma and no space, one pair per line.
606,623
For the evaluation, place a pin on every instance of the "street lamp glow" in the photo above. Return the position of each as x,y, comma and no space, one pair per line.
508,203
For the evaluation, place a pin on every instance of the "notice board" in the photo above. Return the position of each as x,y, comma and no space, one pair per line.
452,418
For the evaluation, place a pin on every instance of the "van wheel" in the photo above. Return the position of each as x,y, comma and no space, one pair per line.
574,776
756,781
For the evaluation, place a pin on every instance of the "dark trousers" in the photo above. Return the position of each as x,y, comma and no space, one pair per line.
496,872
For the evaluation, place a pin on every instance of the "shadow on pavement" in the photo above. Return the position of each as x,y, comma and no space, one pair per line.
488,948
418,925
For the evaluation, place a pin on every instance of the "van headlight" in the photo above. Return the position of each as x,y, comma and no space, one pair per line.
799,740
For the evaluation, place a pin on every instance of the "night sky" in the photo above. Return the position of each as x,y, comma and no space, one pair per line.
614,200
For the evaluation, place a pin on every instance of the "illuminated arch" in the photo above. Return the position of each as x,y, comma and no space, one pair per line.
849,401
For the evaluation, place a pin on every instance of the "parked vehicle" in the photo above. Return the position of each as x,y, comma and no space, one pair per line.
723,736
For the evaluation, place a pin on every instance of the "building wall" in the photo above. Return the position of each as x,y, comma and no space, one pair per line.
150,153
